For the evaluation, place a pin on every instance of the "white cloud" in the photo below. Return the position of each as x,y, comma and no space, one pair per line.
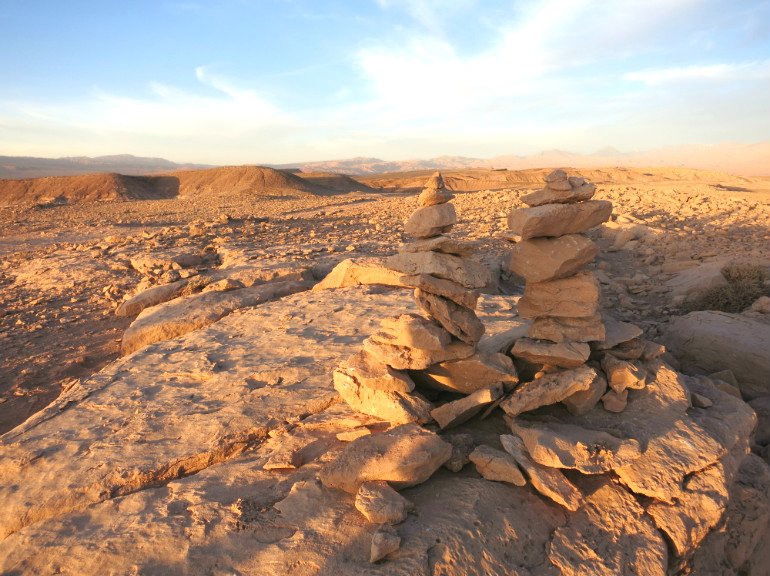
713,72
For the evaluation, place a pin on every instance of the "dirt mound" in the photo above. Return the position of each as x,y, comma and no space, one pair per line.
87,188
236,180
334,182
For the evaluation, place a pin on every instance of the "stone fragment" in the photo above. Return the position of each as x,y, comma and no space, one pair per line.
559,445
622,374
550,482
497,465
468,273
563,354
359,272
431,220
350,435
590,329
617,333
462,446
555,175
582,402
459,411
631,350
404,456
558,219
614,401
652,350
699,401
541,259
470,374
441,287
380,504
285,459
431,197
503,341
150,297
412,331
573,297
443,244
403,358
370,372
384,541
560,192
459,321
548,389
395,407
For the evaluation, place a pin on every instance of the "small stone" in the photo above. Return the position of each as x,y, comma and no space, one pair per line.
465,272
615,401
412,331
622,374
462,446
583,402
350,435
288,458
617,332
541,259
497,465
431,197
652,350
462,410
384,541
380,504
459,321
573,297
557,174
441,287
370,372
761,305
403,358
470,374
558,185
590,329
631,350
560,192
430,221
700,401
564,354
548,389
443,244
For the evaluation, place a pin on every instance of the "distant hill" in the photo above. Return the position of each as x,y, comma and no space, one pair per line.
18,167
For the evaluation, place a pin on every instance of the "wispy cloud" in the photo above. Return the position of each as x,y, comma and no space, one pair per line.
714,72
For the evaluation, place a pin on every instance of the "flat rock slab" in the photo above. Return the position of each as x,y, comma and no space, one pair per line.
494,464
459,411
466,376
562,354
542,259
708,342
446,288
617,332
558,219
150,297
459,321
444,244
361,272
549,389
566,194
589,329
573,297
178,317
394,407
466,272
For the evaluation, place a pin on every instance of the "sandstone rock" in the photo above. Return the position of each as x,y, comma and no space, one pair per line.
356,273
384,541
404,456
559,185
631,350
556,175
622,374
350,435
412,331
712,341
402,358
430,197
652,350
542,259
370,372
573,297
558,219
584,401
459,411
443,244
561,194
617,333
497,465
590,329
380,504
564,354
695,281
614,401
462,446
761,305
549,389
223,285
468,273
150,297
502,342
395,407
470,374
430,221
459,321
567,446
550,482
441,287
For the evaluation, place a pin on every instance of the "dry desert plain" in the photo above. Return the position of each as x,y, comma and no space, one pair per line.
167,399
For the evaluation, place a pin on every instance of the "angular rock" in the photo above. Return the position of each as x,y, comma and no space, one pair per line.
558,219
549,389
550,482
622,374
617,333
584,401
380,504
443,244
462,446
441,287
555,176
370,372
384,541
465,272
431,196
762,408
564,354
573,297
590,329
403,358
559,445
412,331
430,221
497,465
541,259
470,374
459,411
614,401
631,350
395,407
459,321
404,456
359,272
564,194
150,297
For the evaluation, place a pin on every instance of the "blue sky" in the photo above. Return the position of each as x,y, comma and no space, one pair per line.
269,81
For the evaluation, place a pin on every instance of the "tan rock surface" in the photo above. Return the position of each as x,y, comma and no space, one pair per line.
412,331
380,504
549,389
617,333
150,297
376,375
459,321
403,358
430,221
589,329
359,272
558,219
563,354
584,401
573,297
470,374
497,465
394,407
622,375
446,288
468,273
443,244
459,411
565,194
541,259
